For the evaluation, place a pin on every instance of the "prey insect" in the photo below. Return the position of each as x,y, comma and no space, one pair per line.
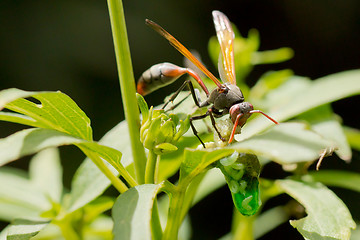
226,98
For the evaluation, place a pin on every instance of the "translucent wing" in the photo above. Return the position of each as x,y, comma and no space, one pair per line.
226,36
183,50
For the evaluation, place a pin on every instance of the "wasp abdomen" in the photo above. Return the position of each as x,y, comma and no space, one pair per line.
158,76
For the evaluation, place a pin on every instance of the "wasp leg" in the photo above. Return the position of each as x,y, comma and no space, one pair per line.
214,124
177,104
192,90
193,127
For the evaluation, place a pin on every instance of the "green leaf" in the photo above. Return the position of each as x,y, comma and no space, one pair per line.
30,141
272,56
268,82
285,143
4,232
132,212
11,94
89,182
196,161
353,136
330,91
279,97
348,180
326,123
214,49
306,98
98,206
355,235
46,172
144,109
56,111
19,197
23,229
327,216
19,118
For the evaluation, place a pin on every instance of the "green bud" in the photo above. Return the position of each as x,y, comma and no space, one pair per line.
174,118
166,132
145,125
182,128
149,140
161,128
164,148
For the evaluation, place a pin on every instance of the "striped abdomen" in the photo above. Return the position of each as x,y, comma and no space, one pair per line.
159,76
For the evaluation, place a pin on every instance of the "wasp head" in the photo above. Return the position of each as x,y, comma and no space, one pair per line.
243,109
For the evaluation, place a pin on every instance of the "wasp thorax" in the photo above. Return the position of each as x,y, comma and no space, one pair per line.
224,98
243,108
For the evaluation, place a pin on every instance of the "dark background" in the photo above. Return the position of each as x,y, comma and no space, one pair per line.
67,45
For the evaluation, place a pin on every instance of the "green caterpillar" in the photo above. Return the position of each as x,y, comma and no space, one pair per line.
241,172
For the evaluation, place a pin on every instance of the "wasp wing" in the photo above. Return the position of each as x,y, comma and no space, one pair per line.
183,50
221,69
225,35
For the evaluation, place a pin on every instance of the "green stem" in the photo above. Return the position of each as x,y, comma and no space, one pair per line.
125,174
155,222
67,230
115,181
68,233
243,226
150,167
174,217
190,194
127,84
117,165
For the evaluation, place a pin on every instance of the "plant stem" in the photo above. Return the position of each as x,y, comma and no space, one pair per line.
67,229
156,229
115,181
243,226
190,193
175,211
127,84
150,167
125,174
68,233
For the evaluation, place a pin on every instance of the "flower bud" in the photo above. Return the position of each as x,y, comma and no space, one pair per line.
160,131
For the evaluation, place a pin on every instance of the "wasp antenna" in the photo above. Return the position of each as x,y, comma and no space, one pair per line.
149,22
270,118
236,123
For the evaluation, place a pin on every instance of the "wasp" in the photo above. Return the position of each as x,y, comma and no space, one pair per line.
226,98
